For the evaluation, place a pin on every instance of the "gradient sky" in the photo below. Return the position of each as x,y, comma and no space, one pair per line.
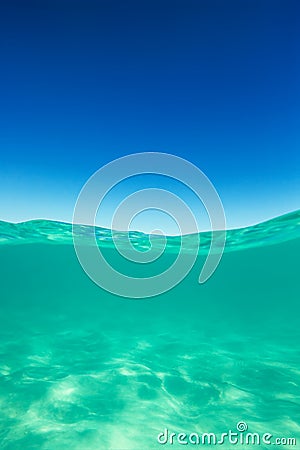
85,82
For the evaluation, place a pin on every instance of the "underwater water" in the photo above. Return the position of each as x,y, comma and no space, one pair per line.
83,368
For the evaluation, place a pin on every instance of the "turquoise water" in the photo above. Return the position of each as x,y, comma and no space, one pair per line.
80,367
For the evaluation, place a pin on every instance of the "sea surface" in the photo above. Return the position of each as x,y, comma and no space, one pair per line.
83,369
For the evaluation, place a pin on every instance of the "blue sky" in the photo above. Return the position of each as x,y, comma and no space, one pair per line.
84,82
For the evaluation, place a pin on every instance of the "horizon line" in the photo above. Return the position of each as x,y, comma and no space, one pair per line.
151,234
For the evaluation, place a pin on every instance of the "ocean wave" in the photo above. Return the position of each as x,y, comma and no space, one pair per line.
274,231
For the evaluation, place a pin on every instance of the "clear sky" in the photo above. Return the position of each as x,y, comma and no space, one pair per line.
84,82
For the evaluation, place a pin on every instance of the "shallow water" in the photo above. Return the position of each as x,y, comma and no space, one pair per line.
80,367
